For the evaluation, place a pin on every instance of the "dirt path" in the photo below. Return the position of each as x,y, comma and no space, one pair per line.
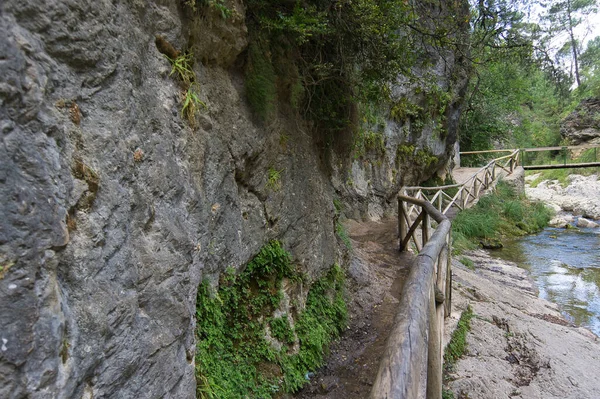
461,175
376,276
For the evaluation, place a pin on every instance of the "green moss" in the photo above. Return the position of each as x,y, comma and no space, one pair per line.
338,206
281,329
367,141
424,157
274,179
233,357
408,154
261,88
468,263
341,232
458,342
404,109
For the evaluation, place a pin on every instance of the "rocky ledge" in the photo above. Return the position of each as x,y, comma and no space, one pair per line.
519,345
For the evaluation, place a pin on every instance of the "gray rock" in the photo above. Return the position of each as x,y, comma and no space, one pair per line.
101,254
583,124
114,209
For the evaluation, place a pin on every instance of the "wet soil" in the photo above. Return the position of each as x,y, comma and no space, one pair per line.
375,277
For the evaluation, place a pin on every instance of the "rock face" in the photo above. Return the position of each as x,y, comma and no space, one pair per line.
414,149
114,209
583,125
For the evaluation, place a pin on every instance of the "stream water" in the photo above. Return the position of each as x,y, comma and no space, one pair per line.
565,265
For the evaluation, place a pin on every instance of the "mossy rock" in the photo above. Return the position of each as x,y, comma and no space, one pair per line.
491,243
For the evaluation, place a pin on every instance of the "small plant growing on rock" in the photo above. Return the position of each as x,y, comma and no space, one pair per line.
182,68
274,180
191,102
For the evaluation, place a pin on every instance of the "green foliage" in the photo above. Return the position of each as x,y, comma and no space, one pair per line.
502,213
346,53
458,342
218,5
404,109
337,206
447,394
366,141
468,263
260,81
513,106
233,357
182,68
281,329
409,154
191,102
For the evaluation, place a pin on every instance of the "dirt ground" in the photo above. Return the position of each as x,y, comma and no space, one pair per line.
376,275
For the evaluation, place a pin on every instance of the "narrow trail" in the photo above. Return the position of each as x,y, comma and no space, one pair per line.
376,277
461,175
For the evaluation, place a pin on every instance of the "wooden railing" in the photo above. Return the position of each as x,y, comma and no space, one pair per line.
467,191
411,366
565,162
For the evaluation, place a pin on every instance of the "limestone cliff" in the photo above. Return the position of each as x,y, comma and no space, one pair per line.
582,126
115,207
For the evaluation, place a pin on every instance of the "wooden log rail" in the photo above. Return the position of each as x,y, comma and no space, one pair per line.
565,164
466,192
411,366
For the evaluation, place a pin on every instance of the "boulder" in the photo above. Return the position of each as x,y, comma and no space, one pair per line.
582,126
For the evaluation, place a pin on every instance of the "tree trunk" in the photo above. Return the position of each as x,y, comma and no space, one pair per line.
573,43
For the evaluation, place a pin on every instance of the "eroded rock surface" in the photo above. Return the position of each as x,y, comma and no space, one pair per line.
582,126
519,345
114,208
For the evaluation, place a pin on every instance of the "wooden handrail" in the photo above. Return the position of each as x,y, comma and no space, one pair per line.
411,365
413,349
465,194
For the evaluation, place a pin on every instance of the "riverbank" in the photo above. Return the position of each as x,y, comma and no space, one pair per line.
519,345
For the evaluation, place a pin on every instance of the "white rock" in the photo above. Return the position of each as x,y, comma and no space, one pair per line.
583,222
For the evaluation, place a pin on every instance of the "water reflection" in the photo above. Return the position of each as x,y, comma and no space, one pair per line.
565,265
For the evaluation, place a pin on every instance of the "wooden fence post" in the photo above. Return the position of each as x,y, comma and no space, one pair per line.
448,301
434,349
425,226
402,225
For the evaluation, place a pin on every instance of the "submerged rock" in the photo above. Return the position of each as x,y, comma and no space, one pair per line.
586,223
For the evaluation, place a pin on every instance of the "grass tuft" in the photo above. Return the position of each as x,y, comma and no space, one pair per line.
458,342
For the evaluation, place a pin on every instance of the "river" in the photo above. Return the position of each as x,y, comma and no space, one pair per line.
565,265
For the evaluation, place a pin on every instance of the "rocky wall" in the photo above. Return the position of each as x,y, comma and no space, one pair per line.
114,208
